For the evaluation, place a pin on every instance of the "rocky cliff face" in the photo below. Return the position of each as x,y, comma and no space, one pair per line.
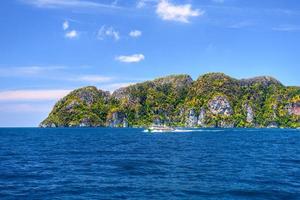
250,114
220,105
294,108
192,119
213,100
201,118
264,81
117,119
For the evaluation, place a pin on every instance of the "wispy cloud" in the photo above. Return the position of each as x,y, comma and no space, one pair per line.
287,28
114,86
69,4
59,73
105,32
242,24
71,34
135,33
94,78
135,58
180,13
144,3
31,107
28,70
32,95
141,4
65,25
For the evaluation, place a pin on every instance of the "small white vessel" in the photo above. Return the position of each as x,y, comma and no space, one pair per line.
159,128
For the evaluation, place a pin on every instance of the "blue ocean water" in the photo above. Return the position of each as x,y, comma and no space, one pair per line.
103,163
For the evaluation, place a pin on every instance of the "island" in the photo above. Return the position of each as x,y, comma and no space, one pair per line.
213,100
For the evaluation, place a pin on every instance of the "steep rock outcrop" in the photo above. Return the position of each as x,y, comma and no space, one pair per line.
264,81
192,119
249,114
117,119
201,118
294,108
220,105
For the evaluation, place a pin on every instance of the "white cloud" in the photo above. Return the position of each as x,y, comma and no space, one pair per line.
94,78
135,58
180,13
32,95
65,25
71,34
135,33
104,32
69,4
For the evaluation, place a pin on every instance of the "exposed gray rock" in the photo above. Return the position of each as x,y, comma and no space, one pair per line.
105,94
272,125
90,94
220,105
121,93
72,105
250,114
224,124
192,119
118,120
85,122
125,123
178,81
293,108
265,81
51,125
86,97
201,117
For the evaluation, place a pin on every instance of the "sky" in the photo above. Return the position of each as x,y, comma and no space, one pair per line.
50,47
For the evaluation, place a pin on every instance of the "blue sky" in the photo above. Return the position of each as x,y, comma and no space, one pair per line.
49,47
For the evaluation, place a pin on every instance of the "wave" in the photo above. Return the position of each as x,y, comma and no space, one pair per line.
182,131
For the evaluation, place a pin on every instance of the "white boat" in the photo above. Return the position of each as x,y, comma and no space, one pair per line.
158,128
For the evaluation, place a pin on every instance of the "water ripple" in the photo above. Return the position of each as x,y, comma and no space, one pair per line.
129,164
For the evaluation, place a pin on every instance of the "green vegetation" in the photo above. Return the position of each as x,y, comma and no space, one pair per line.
214,99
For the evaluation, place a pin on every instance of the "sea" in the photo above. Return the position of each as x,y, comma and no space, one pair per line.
128,163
